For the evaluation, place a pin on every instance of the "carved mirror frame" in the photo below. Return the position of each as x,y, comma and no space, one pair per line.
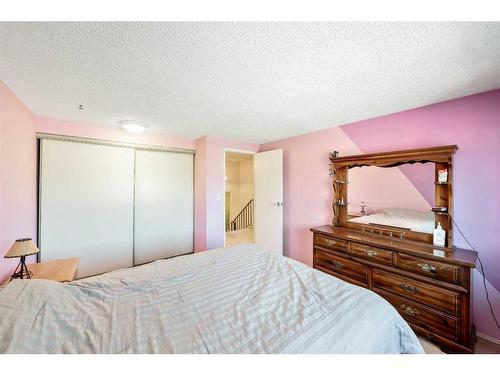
441,156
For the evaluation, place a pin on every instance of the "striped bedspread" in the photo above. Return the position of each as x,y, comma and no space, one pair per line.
235,300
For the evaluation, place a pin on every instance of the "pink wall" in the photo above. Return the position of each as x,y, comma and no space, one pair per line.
375,187
307,193
209,189
422,177
86,130
18,164
17,175
19,161
473,123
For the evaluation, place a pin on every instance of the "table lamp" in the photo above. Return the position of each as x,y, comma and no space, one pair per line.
21,249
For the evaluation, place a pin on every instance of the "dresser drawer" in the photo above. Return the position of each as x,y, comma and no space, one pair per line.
345,267
330,243
430,295
374,254
421,316
436,270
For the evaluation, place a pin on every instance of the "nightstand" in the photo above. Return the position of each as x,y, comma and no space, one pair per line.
62,270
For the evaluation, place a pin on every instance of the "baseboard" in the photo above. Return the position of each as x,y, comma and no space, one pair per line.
488,338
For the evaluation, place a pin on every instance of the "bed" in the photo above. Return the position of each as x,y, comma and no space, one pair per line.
239,299
414,220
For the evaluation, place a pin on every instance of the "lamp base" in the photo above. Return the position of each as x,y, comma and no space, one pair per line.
21,271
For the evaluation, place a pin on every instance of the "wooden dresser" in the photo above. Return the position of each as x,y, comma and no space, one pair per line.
429,286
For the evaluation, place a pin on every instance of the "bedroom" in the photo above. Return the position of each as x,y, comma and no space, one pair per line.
371,153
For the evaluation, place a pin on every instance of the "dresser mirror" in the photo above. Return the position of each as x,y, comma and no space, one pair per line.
392,193
399,197
429,285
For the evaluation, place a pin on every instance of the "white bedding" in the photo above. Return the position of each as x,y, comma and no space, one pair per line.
235,300
417,221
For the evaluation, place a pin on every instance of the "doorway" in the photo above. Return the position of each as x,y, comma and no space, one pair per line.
239,198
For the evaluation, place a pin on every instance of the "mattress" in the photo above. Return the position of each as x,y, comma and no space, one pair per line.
417,221
236,300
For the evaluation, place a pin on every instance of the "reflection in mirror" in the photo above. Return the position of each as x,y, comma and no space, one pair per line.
399,197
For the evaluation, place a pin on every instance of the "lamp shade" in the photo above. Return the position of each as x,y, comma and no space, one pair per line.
22,247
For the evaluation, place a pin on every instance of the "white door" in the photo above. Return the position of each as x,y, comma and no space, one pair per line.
87,205
268,173
163,225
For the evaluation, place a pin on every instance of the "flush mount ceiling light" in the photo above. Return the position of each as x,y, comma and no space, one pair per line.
131,126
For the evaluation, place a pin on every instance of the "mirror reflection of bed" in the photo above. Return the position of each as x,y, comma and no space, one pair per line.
399,197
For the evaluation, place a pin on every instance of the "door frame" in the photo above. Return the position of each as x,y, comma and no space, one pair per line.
225,150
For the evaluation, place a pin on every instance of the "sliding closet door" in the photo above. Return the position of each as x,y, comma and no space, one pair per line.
86,204
163,223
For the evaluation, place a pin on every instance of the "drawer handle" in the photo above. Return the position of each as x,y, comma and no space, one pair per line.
337,264
329,242
408,310
371,253
409,288
429,268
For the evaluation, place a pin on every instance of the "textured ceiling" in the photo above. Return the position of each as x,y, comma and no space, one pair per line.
247,81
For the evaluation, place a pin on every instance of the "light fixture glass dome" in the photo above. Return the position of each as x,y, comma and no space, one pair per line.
131,126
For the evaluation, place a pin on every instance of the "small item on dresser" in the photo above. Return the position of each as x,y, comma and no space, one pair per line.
442,176
439,209
363,208
439,236
333,154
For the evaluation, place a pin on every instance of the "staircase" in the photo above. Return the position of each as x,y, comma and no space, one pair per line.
244,219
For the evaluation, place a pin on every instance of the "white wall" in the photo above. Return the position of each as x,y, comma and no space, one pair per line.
240,183
246,183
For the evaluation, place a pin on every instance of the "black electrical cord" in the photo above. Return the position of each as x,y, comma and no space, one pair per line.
482,272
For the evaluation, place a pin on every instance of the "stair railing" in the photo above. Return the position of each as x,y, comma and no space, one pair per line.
245,218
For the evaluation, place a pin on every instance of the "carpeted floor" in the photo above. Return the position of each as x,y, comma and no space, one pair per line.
237,237
482,346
